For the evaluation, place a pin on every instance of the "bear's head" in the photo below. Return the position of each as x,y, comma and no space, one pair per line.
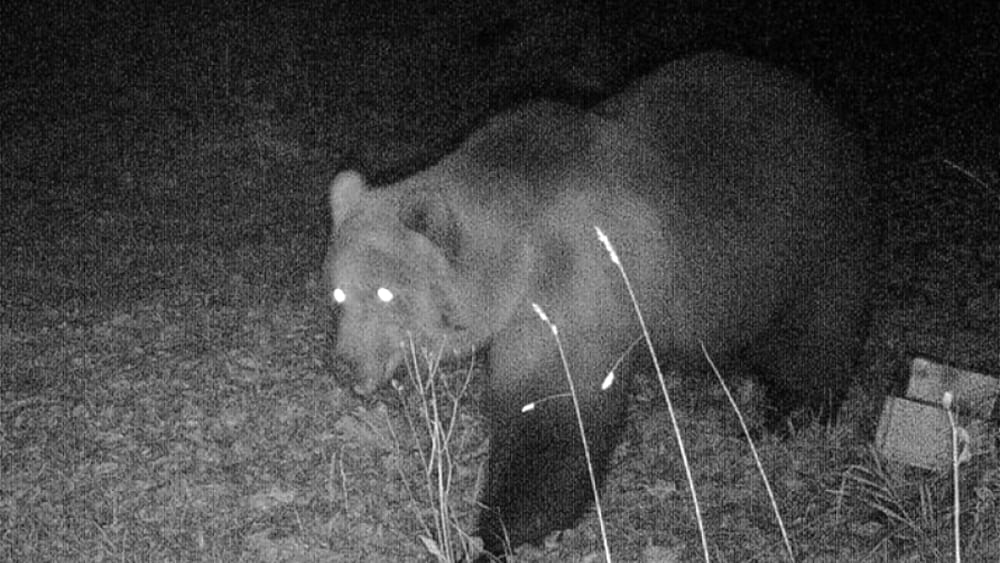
391,279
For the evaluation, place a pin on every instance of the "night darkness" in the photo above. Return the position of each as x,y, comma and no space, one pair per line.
164,349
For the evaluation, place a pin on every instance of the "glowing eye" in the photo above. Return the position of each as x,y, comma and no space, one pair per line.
339,296
385,295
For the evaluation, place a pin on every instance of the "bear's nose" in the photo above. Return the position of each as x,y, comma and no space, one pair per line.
351,372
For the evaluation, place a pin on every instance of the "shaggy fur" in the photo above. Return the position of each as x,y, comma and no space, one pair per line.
735,203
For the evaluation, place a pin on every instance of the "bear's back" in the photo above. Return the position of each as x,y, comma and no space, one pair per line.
716,177
758,187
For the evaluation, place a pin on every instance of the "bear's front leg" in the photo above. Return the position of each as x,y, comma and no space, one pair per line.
537,480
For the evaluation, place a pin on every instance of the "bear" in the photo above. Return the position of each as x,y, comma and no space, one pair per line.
738,208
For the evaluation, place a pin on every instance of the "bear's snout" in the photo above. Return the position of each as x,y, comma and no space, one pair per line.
367,372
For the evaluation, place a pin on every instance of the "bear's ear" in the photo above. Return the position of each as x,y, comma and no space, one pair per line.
345,193
430,216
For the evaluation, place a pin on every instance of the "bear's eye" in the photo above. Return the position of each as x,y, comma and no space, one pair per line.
385,295
339,296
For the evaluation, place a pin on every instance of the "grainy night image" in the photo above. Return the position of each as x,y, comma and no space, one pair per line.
268,276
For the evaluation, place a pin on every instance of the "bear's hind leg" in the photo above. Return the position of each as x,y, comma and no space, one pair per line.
814,355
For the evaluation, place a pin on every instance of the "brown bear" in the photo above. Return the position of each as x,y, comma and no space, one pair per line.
735,202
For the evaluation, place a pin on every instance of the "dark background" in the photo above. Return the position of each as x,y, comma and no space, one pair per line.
393,84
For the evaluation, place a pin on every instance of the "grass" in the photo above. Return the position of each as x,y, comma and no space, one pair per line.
434,420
